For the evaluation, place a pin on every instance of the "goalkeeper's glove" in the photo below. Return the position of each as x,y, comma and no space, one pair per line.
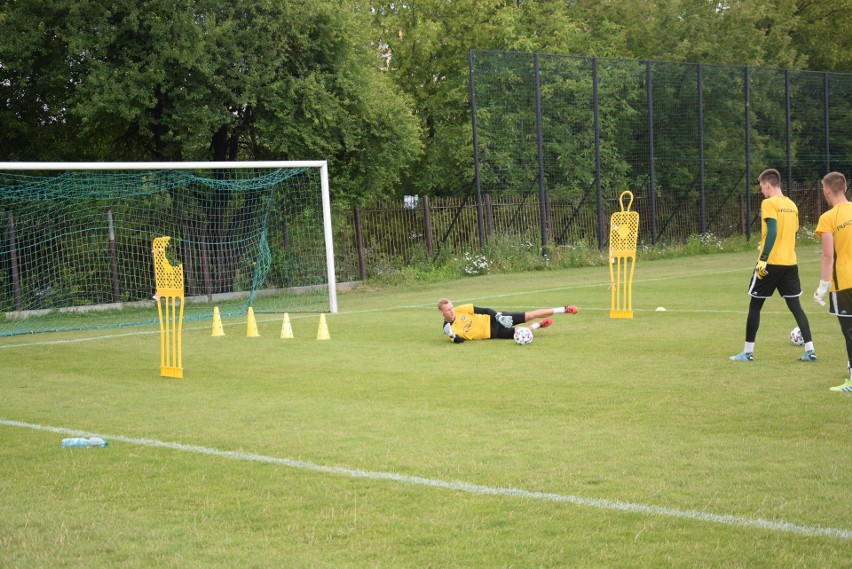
760,269
505,321
448,330
821,291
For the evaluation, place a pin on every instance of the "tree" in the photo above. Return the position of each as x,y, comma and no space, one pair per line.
202,80
820,33
428,42
737,32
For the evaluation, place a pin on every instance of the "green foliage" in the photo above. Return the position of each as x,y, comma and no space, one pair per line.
427,48
817,34
288,269
508,254
379,88
201,80
579,254
419,268
743,33
427,45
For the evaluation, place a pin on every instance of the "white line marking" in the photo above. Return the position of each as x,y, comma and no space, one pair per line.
692,515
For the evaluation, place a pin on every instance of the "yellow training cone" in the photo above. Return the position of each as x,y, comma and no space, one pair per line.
251,325
217,323
286,329
322,332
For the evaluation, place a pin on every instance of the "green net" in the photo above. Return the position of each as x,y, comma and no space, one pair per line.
75,245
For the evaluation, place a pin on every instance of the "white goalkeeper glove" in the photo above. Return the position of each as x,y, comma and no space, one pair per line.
821,291
504,320
448,330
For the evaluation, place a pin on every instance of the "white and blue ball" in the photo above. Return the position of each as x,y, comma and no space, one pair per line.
523,336
796,337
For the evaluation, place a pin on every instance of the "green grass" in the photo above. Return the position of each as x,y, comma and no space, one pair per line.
646,411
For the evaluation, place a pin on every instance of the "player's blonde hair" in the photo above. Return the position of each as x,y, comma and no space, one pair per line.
443,302
835,182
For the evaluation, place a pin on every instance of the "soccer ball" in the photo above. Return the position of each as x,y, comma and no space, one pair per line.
796,337
523,336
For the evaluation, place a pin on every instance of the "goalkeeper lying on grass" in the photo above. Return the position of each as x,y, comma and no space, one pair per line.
469,322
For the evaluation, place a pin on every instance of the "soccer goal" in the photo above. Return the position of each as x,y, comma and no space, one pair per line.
75,240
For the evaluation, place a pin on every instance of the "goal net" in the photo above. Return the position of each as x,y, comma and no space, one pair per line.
75,241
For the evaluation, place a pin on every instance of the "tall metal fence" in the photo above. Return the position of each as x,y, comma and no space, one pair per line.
384,237
687,139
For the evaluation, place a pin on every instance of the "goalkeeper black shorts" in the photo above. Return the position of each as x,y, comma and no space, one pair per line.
783,278
840,302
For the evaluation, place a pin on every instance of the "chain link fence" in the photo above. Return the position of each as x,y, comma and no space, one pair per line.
689,140
557,139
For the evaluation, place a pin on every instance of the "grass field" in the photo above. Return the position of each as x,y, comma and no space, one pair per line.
605,443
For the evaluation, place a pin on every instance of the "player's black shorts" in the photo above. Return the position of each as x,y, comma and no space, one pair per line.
498,328
840,302
783,278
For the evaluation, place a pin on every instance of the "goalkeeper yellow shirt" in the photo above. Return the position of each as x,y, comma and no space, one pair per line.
471,326
784,211
838,220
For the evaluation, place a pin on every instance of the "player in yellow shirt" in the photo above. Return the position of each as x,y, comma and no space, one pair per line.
776,267
835,230
469,322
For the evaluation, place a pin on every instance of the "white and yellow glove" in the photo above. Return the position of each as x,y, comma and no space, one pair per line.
821,291
448,330
760,269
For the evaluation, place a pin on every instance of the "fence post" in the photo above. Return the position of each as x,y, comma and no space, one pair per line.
702,223
597,125
13,253
652,190
742,215
818,199
540,150
475,151
747,95
187,257
489,215
548,215
113,258
789,132
827,122
827,152
205,264
359,243
427,225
